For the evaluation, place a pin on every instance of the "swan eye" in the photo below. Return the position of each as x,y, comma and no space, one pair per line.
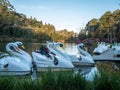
19,45
12,48
61,45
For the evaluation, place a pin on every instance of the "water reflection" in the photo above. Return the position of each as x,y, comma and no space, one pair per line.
87,72
71,48
91,74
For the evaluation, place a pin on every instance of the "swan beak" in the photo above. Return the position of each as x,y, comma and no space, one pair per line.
23,46
17,49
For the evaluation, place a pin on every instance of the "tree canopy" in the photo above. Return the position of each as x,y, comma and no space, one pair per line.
106,28
16,25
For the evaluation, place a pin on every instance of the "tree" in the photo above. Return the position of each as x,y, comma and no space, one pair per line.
6,5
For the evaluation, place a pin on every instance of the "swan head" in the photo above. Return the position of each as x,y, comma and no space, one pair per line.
20,44
10,47
58,44
82,46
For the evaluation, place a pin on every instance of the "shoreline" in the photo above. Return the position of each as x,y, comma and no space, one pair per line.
12,39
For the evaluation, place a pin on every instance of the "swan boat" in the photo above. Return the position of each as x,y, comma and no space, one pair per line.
51,61
23,54
84,56
116,50
101,48
11,64
83,59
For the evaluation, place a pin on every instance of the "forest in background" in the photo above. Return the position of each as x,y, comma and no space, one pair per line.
16,26
106,28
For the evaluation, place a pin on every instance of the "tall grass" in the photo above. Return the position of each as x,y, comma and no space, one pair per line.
107,81
62,80
6,83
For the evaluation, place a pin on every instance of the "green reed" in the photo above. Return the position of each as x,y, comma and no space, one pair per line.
107,81
62,80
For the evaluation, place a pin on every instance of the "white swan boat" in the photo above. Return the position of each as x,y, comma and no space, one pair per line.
12,64
101,48
84,56
83,59
116,50
52,61
23,54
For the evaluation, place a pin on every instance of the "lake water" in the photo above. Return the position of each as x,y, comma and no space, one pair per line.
70,48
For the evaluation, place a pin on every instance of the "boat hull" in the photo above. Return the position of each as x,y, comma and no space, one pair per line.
82,64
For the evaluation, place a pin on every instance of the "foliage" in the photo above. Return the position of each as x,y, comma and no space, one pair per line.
107,27
16,25
107,81
63,80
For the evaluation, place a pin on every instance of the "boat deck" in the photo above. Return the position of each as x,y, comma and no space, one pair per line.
106,56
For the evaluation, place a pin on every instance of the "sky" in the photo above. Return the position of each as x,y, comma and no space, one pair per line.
72,15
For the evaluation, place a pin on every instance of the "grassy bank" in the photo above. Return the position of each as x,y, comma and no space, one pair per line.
62,81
